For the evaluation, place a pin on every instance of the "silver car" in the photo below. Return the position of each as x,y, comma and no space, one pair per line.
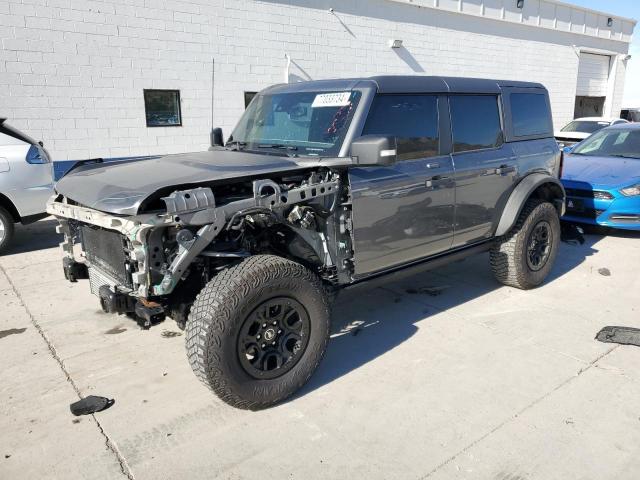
26,181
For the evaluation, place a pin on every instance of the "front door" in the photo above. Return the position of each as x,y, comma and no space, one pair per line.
403,212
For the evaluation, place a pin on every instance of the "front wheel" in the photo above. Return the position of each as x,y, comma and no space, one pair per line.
525,255
258,330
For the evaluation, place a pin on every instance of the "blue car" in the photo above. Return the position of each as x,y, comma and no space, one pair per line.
601,176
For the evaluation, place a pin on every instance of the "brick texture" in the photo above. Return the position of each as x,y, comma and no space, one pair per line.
72,72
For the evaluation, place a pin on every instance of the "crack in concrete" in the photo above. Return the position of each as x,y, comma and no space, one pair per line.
517,414
110,445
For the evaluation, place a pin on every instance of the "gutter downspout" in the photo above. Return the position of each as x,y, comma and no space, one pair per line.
288,67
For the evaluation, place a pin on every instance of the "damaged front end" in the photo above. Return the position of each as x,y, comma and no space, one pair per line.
155,262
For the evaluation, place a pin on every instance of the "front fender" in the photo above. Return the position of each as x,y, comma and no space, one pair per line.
523,191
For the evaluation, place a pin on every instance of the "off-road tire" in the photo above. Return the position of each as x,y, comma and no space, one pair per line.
217,316
7,222
509,255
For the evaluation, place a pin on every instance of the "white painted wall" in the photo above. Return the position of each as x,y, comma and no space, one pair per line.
72,71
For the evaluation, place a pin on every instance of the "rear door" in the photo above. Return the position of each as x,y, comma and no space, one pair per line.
485,166
404,212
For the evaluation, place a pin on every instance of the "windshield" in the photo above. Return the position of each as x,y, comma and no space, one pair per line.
304,123
585,126
611,143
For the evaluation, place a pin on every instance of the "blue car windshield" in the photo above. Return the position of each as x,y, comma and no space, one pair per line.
303,123
611,143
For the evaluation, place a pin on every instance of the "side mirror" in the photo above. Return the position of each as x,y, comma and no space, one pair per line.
217,139
374,150
567,149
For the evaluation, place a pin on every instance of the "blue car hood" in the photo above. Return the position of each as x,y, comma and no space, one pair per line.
604,172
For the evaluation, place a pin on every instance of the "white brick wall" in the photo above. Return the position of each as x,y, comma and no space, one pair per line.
72,72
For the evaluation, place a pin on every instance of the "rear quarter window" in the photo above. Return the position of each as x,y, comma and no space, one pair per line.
530,115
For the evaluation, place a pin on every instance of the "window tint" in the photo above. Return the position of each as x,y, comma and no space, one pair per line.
475,121
413,119
162,108
529,114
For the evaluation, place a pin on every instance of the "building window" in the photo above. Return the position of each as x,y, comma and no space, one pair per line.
248,96
412,119
162,108
475,122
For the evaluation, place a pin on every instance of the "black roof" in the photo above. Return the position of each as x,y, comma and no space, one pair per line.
417,83
408,84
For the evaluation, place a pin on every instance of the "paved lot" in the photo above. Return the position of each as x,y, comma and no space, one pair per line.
477,382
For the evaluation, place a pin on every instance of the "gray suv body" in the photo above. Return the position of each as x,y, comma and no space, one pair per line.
322,186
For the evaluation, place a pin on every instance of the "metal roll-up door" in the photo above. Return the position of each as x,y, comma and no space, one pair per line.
593,75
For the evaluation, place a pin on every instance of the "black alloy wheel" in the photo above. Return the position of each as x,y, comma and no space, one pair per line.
273,337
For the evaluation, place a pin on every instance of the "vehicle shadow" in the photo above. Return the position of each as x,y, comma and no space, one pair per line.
35,236
373,322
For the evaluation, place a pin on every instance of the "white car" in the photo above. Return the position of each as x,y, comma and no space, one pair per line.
580,128
26,181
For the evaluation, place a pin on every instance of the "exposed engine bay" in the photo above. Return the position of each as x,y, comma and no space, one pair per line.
157,260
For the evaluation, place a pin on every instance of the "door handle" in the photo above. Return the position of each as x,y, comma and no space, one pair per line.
432,165
502,169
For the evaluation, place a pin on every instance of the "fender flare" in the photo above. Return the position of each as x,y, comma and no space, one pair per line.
521,194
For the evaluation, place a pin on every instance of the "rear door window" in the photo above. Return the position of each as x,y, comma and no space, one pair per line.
412,119
475,122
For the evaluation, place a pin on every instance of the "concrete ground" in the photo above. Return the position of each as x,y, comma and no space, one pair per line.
464,380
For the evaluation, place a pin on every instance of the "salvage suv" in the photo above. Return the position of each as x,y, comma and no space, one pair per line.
322,185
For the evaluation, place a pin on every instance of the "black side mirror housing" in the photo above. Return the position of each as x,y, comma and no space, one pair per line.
217,139
374,151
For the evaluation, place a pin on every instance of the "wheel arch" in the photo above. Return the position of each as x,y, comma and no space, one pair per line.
8,205
534,185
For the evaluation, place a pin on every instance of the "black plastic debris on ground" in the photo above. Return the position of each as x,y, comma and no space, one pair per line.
90,404
571,233
621,335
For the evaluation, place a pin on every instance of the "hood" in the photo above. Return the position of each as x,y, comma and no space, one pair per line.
121,188
604,172
578,136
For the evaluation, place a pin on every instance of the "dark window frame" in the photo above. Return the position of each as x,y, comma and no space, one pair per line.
438,124
501,121
146,91
248,98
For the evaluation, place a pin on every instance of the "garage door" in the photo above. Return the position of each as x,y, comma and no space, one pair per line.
593,73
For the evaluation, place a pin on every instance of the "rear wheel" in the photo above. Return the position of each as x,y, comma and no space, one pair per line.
258,331
6,229
524,257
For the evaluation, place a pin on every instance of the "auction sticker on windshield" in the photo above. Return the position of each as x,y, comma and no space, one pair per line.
338,99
